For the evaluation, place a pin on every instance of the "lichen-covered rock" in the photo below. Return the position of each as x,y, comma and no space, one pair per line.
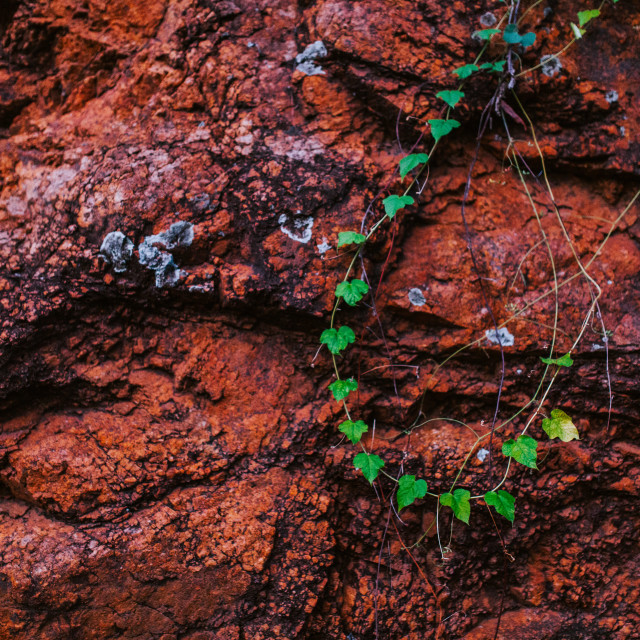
173,177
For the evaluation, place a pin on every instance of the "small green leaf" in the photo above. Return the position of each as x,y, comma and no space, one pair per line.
503,502
441,128
511,35
409,490
342,388
485,34
353,430
465,71
522,450
352,292
411,162
393,204
337,340
451,97
564,361
459,502
577,31
498,66
528,40
587,16
560,426
350,237
369,464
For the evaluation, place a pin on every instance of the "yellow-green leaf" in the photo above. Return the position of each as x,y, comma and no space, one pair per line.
560,426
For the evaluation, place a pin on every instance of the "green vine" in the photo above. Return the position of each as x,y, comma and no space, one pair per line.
523,448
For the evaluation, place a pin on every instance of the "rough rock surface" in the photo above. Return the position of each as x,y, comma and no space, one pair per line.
167,450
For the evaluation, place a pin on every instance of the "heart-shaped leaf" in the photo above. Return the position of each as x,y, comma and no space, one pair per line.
450,97
564,361
587,16
409,490
337,340
370,464
352,292
511,35
522,450
353,430
342,388
412,161
459,502
441,128
350,237
393,204
485,34
560,426
503,502
465,71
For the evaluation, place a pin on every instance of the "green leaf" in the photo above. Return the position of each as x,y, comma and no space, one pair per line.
450,97
485,34
353,430
411,162
352,292
342,388
564,361
587,16
409,490
337,340
465,71
459,502
370,464
393,204
528,40
350,237
503,502
522,450
494,66
560,426
577,31
441,128
511,35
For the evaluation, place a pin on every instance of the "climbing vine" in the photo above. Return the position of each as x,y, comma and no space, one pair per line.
504,70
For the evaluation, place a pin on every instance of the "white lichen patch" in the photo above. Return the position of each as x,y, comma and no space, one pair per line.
482,454
323,246
488,19
116,249
501,336
550,65
298,229
416,297
305,61
611,96
179,235
304,149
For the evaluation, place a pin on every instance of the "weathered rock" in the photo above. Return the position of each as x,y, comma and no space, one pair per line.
173,177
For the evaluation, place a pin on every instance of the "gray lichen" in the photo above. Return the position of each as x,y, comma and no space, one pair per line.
179,234
488,19
551,65
117,249
501,336
305,61
611,96
416,297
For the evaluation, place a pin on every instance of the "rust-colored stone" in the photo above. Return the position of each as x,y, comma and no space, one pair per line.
172,182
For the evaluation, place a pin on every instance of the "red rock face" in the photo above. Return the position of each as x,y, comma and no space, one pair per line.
172,182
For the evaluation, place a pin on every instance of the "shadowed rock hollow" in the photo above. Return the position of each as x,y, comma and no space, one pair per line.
173,177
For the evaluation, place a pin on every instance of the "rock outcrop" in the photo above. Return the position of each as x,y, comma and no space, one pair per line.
173,177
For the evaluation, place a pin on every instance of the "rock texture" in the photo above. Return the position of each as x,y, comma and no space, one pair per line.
173,176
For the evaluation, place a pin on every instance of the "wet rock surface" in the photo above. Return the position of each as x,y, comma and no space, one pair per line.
173,177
